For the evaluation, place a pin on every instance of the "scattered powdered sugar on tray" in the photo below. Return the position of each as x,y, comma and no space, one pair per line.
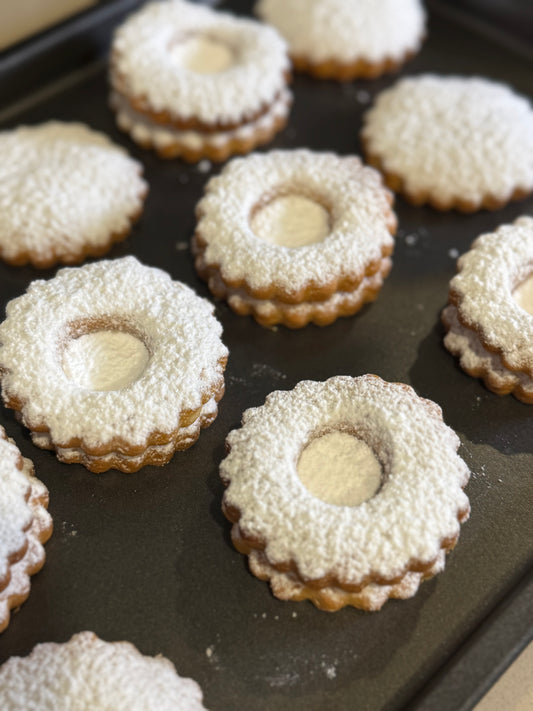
263,370
204,166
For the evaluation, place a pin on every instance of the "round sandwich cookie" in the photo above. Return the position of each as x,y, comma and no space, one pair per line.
347,39
293,237
113,364
345,492
194,83
25,526
489,320
463,143
66,193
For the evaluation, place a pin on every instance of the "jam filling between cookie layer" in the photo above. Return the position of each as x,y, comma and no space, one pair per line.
105,360
523,294
339,468
291,220
202,54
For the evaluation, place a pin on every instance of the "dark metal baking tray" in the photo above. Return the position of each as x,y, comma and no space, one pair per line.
147,556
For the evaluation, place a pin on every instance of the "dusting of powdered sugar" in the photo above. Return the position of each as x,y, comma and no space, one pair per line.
64,189
483,289
347,30
24,523
340,469
18,588
453,138
147,64
105,360
523,294
178,330
416,509
15,512
291,221
475,358
89,673
354,195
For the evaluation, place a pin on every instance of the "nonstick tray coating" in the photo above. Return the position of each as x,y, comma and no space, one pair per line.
147,557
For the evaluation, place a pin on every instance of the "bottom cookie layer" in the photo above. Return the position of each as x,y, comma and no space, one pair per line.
478,362
271,312
18,587
157,454
348,71
192,146
285,586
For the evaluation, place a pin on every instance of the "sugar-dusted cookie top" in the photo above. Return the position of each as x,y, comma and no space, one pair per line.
87,674
192,62
24,526
496,264
110,356
454,142
16,515
341,202
66,192
415,512
347,30
489,319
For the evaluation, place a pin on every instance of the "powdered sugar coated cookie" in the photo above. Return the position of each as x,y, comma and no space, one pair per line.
490,316
112,364
365,551
454,142
345,39
66,192
24,526
295,236
86,673
196,83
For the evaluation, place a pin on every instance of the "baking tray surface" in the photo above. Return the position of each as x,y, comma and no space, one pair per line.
147,557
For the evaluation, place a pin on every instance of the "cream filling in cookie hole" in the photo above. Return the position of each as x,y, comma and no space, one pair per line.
338,468
105,360
523,294
202,55
291,221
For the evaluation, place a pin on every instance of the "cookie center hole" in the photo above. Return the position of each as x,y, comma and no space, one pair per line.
523,294
202,55
291,221
105,360
340,469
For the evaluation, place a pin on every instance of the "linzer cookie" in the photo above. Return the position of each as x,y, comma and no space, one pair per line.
345,492
87,673
453,142
24,526
66,193
113,364
294,237
347,39
195,83
489,319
